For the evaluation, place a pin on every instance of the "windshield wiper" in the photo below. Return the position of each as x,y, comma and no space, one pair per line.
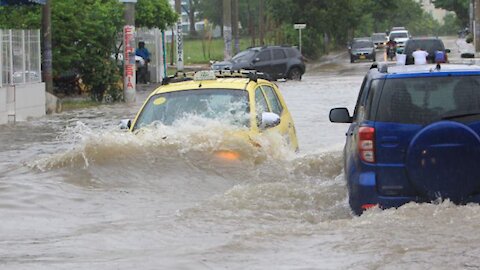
447,117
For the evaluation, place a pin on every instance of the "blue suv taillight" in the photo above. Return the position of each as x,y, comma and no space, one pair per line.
366,144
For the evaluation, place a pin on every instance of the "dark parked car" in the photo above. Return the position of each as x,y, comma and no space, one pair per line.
414,136
362,49
428,44
278,62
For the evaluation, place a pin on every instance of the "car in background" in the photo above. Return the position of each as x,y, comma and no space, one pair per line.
362,49
414,136
401,37
278,62
432,45
379,39
396,28
250,106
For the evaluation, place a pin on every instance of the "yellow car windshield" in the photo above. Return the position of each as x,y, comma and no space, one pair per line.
227,105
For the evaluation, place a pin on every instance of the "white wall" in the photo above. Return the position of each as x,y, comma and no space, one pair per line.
29,101
3,106
22,101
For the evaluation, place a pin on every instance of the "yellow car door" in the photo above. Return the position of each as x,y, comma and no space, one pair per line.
273,94
276,105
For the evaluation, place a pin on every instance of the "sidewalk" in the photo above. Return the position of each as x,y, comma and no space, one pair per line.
464,47
328,61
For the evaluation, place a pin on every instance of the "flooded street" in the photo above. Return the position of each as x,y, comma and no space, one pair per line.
77,193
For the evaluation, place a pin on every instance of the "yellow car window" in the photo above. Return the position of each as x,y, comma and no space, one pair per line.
222,104
273,99
261,105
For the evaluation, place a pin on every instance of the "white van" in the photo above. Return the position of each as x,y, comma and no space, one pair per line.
400,36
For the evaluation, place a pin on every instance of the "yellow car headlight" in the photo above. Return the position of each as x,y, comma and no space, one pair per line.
227,155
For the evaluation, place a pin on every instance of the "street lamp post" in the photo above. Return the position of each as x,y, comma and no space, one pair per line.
299,27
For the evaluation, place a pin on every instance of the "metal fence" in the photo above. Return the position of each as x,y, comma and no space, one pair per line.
20,57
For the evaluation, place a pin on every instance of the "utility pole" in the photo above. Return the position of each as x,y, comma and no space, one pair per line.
476,29
261,22
227,28
178,9
129,76
235,31
47,46
470,14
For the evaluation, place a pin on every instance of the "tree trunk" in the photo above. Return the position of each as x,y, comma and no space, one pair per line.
236,43
476,34
191,18
172,47
251,26
261,23
47,46
227,28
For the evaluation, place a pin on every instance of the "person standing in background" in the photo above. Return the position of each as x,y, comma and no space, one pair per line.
420,57
143,70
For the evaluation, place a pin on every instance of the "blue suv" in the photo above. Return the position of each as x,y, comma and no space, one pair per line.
414,136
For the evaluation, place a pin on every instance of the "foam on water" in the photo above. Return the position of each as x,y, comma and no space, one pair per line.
197,135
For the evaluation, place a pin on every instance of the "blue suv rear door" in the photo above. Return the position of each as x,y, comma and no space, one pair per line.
427,136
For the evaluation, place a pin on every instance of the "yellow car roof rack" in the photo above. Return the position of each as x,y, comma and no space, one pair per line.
253,75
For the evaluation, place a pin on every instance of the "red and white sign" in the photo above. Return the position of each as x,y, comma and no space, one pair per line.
129,63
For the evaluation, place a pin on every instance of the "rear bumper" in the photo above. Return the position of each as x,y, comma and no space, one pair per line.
363,191
366,56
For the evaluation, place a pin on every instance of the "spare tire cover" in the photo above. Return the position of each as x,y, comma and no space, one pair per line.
443,161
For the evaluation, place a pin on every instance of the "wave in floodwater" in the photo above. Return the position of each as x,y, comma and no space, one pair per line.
200,145
186,156
92,147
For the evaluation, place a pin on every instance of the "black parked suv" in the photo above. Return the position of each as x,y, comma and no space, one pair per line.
428,44
278,62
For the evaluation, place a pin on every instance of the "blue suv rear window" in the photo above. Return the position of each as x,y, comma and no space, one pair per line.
422,100
427,45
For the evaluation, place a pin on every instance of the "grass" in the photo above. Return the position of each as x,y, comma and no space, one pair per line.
197,51
75,104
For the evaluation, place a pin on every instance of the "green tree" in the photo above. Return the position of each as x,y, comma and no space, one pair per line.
211,10
96,25
331,23
460,7
450,25
20,17
87,50
154,13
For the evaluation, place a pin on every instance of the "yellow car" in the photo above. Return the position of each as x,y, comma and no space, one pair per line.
253,105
